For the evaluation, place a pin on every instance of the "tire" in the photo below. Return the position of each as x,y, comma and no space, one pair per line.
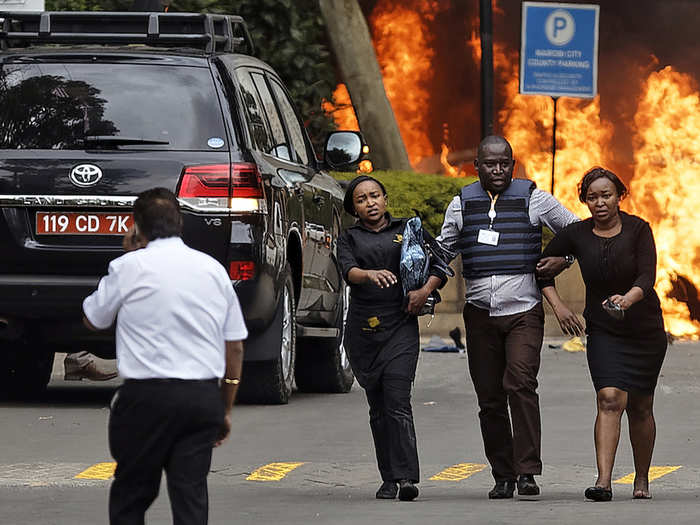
322,363
270,382
26,371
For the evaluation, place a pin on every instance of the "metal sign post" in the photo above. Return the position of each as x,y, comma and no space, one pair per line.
559,53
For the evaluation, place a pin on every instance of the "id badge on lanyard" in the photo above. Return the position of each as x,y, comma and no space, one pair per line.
490,236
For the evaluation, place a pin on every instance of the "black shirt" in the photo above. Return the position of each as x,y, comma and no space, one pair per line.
611,266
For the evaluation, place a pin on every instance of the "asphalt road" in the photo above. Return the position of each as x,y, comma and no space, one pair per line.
325,470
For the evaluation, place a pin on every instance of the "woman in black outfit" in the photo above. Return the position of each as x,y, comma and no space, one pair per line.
381,334
625,348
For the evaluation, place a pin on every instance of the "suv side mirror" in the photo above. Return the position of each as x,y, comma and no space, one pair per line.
343,148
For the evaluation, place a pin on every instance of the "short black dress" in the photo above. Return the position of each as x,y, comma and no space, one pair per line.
628,353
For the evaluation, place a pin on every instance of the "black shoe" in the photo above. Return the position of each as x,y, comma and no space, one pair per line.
456,336
407,490
527,485
388,490
598,494
502,490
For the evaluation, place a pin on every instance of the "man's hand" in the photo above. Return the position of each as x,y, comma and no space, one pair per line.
224,431
382,278
568,321
133,240
550,267
416,300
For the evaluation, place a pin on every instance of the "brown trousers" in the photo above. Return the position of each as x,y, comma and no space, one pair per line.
504,358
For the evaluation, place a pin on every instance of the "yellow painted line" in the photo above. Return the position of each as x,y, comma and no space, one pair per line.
98,471
458,472
273,471
654,473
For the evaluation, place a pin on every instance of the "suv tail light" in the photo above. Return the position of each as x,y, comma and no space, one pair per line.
220,188
241,270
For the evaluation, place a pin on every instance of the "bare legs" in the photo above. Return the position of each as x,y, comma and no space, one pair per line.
640,412
612,402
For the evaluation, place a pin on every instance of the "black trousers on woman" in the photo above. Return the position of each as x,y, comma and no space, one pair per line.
160,425
391,419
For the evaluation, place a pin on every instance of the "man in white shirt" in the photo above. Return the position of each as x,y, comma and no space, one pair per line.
496,225
179,331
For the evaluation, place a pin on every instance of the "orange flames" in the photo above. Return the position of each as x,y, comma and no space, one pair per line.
341,109
666,185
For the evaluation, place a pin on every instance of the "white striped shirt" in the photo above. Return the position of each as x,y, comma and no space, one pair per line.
507,294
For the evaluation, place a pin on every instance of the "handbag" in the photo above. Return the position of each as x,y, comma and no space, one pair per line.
419,250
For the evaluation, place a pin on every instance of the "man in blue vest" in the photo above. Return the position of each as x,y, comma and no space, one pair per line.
496,226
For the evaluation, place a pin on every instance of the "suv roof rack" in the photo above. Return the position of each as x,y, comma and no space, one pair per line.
209,32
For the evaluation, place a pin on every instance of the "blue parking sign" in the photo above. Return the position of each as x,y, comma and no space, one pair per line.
559,49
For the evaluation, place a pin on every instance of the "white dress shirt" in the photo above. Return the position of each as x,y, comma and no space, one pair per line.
175,308
507,294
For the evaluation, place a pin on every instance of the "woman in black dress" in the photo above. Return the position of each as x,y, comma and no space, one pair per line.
626,341
381,334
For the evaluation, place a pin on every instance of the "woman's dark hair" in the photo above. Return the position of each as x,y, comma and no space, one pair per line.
347,200
598,173
157,214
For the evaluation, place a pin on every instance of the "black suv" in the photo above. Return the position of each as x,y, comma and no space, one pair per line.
97,107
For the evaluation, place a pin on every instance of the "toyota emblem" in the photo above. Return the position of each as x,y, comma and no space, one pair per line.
85,175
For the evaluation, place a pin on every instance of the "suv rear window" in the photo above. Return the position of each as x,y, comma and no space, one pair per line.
56,106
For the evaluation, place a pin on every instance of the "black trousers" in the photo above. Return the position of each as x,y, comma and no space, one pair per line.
391,420
504,359
158,425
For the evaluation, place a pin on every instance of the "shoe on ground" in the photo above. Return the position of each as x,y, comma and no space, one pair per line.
527,486
598,494
407,490
502,490
75,372
388,490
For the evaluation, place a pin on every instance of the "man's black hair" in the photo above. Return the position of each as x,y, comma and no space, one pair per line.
157,214
347,200
599,173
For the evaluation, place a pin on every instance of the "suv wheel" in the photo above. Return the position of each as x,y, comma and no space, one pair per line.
270,382
322,364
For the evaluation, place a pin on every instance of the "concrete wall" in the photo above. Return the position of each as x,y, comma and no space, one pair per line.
21,5
448,313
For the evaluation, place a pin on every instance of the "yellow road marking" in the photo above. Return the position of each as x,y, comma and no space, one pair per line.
654,473
458,472
98,471
272,471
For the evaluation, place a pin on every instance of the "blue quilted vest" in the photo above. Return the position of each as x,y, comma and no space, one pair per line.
519,244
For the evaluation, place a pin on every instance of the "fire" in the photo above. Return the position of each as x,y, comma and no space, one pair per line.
341,109
666,184
403,45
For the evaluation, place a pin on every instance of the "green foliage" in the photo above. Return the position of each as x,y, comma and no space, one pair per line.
288,34
429,195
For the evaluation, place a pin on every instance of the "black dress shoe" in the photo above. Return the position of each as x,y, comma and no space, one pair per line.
598,494
527,485
502,490
388,490
407,490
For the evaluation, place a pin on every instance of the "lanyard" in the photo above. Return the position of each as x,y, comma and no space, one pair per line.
492,210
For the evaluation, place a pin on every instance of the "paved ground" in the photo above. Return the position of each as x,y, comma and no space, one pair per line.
326,465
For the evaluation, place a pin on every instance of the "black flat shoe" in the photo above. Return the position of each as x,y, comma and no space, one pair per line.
598,494
527,486
502,490
388,490
407,490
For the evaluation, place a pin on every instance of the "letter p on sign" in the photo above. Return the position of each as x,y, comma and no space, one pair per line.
560,27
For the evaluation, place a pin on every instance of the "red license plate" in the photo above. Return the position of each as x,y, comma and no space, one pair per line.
75,223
